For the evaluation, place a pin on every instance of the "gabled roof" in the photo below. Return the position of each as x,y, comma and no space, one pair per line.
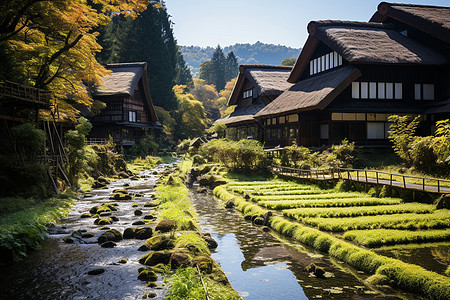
363,42
124,81
268,80
313,93
245,114
434,20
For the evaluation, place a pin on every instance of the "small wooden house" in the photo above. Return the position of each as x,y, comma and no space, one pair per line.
351,76
129,113
256,86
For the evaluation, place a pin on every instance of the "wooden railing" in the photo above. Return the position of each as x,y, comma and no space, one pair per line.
368,176
23,92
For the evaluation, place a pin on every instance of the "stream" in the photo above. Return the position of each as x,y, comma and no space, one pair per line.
259,265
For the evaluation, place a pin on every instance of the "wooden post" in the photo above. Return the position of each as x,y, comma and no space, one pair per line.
377,176
391,180
404,182
439,188
423,184
366,175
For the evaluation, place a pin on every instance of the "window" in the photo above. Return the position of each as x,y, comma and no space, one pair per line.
324,131
372,90
381,89
355,90
398,91
424,91
247,94
132,116
375,131
389,90
364,90
324,62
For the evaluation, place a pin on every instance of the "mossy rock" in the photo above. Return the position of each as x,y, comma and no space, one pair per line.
205,263
149,217
151,204
103,221
129,233
87,235
258,221
138,212
443,202
138,223
98,185
114,218
160,242
152,284
85,215
143,233
96,271
121,196
108,244
143,248
104,228
123,261
135,205
316,270
103,180
123,174
110,235
378,279
147,275
155,258
166,226
212,244
179,259
93,210
149,295
69,240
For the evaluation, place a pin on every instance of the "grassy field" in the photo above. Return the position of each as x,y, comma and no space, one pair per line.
347,225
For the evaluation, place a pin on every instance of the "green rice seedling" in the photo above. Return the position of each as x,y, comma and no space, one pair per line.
291,192
309,197
185,284
369,201
357,211
383,237
438,219
192,239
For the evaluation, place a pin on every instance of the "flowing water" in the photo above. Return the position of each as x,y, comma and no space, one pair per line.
258,265
59,270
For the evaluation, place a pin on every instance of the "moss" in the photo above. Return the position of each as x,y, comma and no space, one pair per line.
147,275
87,235
161,242
123,261
103,221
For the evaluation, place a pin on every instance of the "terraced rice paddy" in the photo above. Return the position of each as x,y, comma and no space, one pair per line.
346,224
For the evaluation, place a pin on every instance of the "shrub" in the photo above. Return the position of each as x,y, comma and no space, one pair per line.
401,134
422,153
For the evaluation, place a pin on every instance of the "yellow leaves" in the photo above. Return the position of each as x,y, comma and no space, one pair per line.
157,5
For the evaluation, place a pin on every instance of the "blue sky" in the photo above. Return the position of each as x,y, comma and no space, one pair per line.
225,22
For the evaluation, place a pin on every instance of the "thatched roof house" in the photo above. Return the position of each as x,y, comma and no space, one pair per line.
350,76
256,86
129,113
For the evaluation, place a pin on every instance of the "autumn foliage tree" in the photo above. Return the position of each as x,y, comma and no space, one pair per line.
52,44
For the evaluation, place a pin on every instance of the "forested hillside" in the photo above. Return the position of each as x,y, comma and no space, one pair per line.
258,53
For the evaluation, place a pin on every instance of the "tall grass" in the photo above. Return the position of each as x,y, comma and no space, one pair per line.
384,237
318,195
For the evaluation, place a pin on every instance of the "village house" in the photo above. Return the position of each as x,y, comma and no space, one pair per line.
351,76
256,86
129,113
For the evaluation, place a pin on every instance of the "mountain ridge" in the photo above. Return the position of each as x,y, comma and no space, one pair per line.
257,53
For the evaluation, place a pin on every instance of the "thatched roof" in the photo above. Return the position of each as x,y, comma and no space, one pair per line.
241,115
434,20
123,80
360,42
313,93
267,80
364,42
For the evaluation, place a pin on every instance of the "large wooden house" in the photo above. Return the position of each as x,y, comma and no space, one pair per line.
256,86
129,113
351,76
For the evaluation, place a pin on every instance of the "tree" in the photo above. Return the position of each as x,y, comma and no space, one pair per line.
401,134
231,67
190,117
218,64
206,72
289,62
53,44
207,95
184,73
150,39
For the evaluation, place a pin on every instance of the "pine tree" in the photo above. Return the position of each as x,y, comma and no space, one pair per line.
184,73
150,39
231,67
218,63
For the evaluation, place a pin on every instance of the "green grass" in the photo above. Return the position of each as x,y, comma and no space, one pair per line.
140,164
368,201
23,224
318,195
356,211
177,206
409,221
384,237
